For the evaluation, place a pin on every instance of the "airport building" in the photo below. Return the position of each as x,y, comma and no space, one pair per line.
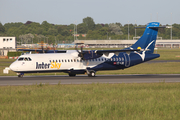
7,44
126,43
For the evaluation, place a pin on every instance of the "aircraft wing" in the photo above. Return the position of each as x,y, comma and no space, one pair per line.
43,51
116,52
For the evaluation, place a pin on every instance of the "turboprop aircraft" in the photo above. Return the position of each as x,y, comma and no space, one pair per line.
89,62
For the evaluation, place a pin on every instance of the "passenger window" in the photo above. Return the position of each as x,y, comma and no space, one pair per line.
77,60
65,60
50,60
56,61
102,59
62,61
20,59
68,60
71,60
74,60
53,60
59,60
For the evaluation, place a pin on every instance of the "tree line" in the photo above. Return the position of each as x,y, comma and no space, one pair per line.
33,32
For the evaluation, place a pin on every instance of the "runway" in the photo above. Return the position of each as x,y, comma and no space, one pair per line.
83,79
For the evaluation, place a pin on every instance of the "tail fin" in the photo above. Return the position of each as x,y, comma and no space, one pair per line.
148,39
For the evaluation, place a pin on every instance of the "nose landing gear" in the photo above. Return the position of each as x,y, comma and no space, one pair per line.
20,75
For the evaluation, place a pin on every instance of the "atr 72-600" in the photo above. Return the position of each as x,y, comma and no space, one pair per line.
90,61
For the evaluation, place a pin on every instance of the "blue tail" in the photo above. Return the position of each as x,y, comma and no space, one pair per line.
148,39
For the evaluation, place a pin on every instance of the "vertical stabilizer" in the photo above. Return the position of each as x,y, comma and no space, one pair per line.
148,39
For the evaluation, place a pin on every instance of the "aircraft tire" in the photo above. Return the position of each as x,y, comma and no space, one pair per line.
20,76
72,75
92,74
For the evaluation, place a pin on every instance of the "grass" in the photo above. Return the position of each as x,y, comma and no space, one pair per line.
93,101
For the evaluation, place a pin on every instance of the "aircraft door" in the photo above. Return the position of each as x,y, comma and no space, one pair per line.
127,60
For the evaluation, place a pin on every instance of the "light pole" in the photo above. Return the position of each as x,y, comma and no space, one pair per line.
107,35
128,30
135,28
171,26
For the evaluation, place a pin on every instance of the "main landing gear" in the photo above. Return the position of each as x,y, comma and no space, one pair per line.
20,75
91,73
72,75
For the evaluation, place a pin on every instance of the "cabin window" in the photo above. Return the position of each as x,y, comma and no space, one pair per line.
102,59
74,60
71,60
59,60
65,60
62,61
77,60
105,59
68,60
53,60
99,59
80,60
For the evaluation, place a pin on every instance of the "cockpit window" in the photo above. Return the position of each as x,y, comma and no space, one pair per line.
29,58
20,59
24,59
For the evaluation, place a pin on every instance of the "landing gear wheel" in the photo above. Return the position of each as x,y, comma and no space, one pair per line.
92,74
20,76
72,75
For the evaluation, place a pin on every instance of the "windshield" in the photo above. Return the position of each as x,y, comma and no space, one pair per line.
24,59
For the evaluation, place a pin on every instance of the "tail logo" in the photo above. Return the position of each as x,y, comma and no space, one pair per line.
139,48
143,52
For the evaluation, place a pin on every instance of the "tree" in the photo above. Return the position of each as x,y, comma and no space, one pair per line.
82,28
115,28
2,28
88,21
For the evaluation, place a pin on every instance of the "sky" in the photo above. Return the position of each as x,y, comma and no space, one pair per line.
66,12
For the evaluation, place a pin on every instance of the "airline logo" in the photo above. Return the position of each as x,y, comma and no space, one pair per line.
43,65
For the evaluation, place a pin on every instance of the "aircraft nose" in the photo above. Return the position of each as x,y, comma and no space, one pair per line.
13,67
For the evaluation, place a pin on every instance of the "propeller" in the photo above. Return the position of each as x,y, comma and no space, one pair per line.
80,53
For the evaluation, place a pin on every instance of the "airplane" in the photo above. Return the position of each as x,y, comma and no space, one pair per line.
89,62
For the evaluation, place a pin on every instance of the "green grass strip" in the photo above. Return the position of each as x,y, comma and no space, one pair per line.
154,101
